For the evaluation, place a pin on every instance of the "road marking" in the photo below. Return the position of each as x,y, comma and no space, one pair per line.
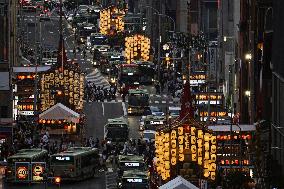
124,108
103,107
156,102
164,102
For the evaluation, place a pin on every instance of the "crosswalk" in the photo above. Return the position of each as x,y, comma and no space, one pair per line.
97,78
111,179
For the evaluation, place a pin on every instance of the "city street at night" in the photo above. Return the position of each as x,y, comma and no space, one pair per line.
135,94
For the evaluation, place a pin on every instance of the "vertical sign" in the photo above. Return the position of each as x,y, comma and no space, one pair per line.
37,169
22,172
212,63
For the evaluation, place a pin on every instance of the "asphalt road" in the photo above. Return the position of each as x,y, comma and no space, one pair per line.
86,184
97,113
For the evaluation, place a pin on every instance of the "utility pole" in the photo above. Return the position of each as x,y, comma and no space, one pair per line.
159,52
35,80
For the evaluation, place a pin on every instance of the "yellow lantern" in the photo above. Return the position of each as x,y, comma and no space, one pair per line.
206,146
213,157
199,160
213,139
200,143
173,152
200,134
206,173
213,148
180,139
167,155
212,167
193,149
173,160
206,155
180,131
192,131
206,137
167,165
206,164
213,175
199,152
174,143
181,157
193,139
173,134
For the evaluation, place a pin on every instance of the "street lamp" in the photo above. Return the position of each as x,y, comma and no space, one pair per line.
227,37
248,56
247,93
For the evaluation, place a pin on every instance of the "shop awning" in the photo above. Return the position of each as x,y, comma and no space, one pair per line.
59,112
227,128
178,183
30,69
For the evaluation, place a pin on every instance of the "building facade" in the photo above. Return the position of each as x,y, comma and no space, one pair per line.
8,56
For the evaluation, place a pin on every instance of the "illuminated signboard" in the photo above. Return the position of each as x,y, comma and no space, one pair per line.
27,107
196,82
198,77
60,158
213,114
134,180
132,164
37,171
22,173
26,112
156,122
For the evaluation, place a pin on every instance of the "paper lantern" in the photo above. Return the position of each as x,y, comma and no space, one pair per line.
206,146
174,143
213,148
180,131
193,149
213,157
192,131
193,139
167,155
206,173
200,134
212,175
180,139
167,165
181,157
173,161
212,167
206,137
206,155
213,140
199,160
173,134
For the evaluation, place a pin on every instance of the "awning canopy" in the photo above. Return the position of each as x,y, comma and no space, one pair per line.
59,112
178,183
30,69
226,128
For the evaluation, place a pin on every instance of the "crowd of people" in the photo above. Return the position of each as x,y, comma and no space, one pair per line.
99,93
